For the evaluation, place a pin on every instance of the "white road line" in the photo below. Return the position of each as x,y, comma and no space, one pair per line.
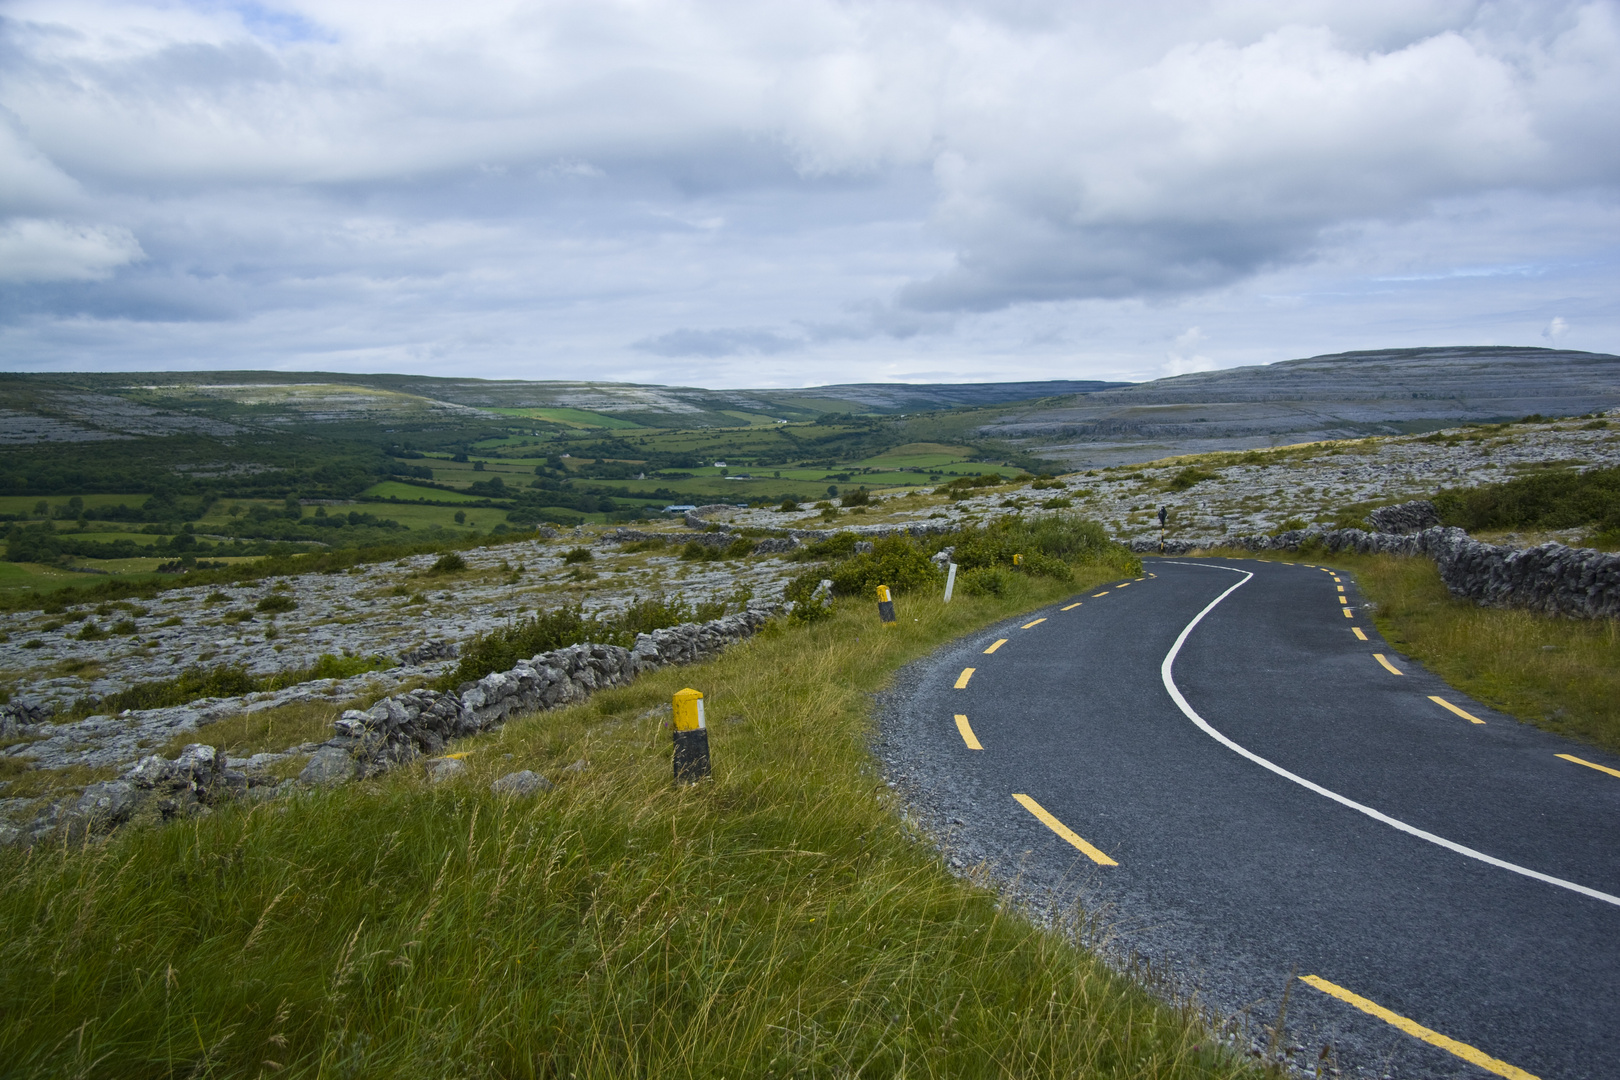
1394,823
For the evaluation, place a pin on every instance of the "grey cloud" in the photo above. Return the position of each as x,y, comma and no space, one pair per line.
716,343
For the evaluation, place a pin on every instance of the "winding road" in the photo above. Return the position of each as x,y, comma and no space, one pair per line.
1225,759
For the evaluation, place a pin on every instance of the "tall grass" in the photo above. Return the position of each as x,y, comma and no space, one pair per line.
779,920
1558,673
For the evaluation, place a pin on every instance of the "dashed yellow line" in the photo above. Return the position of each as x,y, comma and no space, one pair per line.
1347,613
1097,594
962,679
1339,587
995,645
968,737
1072,606
1356,630
1389,667
1342,600
1444,704
1064,831
1027,625
1590,765
1122,585
1418,1031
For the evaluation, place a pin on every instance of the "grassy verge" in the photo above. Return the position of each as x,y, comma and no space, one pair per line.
779,920
1559,674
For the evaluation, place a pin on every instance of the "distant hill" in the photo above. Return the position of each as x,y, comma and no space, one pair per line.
1343,395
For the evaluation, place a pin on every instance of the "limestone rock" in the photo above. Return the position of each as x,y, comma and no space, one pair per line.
441,769
521,784
328,765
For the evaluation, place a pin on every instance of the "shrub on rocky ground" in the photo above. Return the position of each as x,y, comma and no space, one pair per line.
448,563
577,555
277,602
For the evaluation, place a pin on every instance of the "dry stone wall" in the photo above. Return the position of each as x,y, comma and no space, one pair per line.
1550,578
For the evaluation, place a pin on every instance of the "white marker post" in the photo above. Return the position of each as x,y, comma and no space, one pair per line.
950,582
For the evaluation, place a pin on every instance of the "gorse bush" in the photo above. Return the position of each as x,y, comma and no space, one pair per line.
1546,500
1187,478
448,563
1066,537
894,561
577,555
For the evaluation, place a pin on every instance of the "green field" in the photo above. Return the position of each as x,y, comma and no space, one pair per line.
578,418
43,578
411,492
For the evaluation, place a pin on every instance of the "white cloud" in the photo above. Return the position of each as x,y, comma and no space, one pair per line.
1556,329
835,186
34,250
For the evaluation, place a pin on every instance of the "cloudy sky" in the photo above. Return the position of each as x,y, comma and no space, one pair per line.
795,192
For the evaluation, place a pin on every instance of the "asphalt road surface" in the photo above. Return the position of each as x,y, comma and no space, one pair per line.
1215,757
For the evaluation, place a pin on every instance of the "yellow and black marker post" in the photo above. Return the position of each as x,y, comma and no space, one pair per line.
691,737
1018,560
885,606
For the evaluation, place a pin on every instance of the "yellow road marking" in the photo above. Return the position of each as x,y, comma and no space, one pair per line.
1312,565
1418,1031
998,644
1288,564
1097,594
1347,613
1027,625
1071,607
1339,587
1122,585
1139,579
1064,831
1356,630
968,737
1342,600
1391,668
1470,717
1590,765
961,680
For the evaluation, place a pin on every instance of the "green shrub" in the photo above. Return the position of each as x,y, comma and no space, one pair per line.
801,590
1037,565
232,618
788,506
984,581
840,545
1187,477
1555,499
739,547
125,627
577,555
1057,502
693,551
277,602
448,563
894,561
858,497
92,632
342,667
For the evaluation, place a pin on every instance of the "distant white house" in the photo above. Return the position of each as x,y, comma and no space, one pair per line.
719,464
680,508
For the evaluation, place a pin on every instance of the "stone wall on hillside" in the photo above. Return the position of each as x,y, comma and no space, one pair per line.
407,726
1550,578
